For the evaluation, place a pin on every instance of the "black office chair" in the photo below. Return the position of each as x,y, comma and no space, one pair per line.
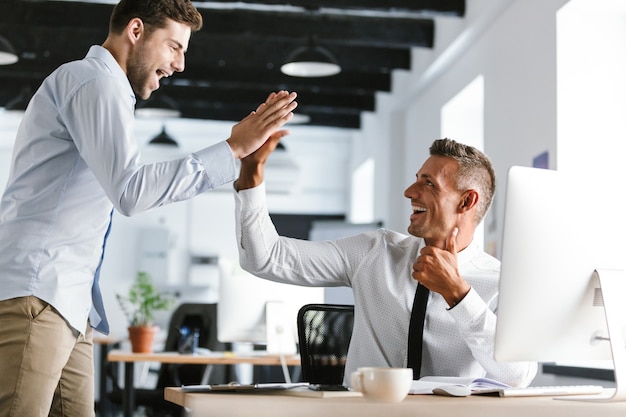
202,317
324,333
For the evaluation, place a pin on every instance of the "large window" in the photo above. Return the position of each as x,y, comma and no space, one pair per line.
591,109
462,119
591,103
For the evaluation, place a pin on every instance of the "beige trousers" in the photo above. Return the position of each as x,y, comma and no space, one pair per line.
46,367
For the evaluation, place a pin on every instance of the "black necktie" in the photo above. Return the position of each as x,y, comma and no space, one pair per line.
416,330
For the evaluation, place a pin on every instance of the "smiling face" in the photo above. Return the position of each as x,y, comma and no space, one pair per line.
435,200
157,54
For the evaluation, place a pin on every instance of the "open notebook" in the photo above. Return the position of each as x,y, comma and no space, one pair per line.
487,386
234,386
298,389
426,384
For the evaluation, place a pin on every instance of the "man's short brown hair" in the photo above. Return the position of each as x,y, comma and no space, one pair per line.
154,13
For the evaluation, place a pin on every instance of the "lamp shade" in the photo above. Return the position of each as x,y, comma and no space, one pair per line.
310,61
299,119
163,138
159,106
7,53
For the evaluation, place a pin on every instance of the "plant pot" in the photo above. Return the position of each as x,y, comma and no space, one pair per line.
141,338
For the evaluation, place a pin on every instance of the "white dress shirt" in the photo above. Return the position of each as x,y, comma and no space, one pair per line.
378,266
75,158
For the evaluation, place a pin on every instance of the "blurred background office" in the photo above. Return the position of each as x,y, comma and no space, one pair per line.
531,82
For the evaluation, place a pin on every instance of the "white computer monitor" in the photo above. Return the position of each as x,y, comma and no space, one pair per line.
258,311
555,242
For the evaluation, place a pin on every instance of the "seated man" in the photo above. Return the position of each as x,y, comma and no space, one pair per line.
450,196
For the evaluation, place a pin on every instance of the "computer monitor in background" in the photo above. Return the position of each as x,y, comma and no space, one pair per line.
557,254
258,311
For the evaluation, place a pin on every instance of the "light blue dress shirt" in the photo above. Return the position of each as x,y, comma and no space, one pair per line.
74,160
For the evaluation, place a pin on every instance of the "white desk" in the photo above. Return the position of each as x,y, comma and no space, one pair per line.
275,405
214,358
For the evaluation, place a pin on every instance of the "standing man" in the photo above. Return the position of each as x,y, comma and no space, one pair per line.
450,196
75,160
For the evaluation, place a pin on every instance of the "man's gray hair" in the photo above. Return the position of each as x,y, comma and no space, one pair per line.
475,171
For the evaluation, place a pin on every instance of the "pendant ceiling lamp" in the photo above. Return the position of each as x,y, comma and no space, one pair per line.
164,139
299,119
7,53
311,60
159,106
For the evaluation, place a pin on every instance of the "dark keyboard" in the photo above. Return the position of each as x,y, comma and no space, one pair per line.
327,387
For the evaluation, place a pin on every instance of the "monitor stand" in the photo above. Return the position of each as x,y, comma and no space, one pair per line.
280,336
613,285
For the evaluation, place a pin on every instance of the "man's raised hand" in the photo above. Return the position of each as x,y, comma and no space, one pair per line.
252,132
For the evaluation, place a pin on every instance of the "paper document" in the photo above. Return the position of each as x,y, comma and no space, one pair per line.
426,384
233,386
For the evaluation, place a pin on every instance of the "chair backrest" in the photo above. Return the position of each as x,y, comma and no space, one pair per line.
324,333
195,316
202,317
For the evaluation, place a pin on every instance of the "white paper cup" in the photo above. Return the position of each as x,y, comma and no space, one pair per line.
382,384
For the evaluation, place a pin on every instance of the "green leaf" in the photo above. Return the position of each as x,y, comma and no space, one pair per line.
143,300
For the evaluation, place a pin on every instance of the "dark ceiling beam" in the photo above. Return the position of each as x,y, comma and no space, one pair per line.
250,98
56,14
246,25
270,79
229,53
234,104
439,7
326,29
320,116
226,54
262,81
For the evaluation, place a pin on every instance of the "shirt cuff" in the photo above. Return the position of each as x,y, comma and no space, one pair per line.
468,308
219,163
251,197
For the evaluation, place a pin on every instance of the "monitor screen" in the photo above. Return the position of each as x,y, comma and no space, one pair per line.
251,309
554,237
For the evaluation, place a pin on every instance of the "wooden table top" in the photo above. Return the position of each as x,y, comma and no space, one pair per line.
215,358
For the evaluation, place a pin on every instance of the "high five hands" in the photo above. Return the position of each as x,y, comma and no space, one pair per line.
252,170
251,132
438,271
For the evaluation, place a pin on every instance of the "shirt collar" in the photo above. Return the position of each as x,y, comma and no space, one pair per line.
468,253
463,256
102,54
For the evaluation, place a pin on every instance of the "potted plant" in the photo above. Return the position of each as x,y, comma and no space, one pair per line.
139,306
